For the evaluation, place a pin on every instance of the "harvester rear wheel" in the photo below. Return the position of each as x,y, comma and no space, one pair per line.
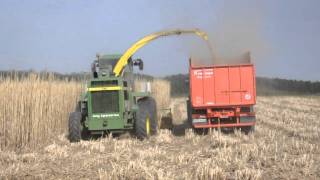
146,121
75,127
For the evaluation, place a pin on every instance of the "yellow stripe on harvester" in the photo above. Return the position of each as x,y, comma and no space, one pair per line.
112,88
139,44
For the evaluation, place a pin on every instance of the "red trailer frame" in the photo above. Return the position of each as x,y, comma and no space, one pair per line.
222,96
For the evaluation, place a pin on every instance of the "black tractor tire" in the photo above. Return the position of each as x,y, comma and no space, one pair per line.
75,126
247,129
147,110
85,134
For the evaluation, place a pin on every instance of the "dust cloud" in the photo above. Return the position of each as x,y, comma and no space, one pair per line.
238,31
234,35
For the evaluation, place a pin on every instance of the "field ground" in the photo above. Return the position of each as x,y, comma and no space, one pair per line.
285,145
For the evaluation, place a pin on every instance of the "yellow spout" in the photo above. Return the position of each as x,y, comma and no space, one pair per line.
123,61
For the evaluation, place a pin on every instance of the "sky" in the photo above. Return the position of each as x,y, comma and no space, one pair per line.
64,36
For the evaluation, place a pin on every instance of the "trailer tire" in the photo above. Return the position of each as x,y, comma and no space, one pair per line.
146,119
189,112
248,129
201,131
75,126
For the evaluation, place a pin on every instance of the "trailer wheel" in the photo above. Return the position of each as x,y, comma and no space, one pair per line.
189,112
247,129
75,127
146,119
201,131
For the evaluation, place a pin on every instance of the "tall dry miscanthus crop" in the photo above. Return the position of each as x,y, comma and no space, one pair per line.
34,108
161,92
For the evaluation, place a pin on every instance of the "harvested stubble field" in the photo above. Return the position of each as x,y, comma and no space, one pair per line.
285,145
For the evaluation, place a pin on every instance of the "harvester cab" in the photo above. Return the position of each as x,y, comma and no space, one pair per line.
103,66
110,104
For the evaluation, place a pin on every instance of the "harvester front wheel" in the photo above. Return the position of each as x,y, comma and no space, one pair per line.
146,120
75,127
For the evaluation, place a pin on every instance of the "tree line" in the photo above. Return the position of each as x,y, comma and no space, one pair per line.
265,86
180,82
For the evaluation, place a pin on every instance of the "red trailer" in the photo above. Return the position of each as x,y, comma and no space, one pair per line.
222,96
